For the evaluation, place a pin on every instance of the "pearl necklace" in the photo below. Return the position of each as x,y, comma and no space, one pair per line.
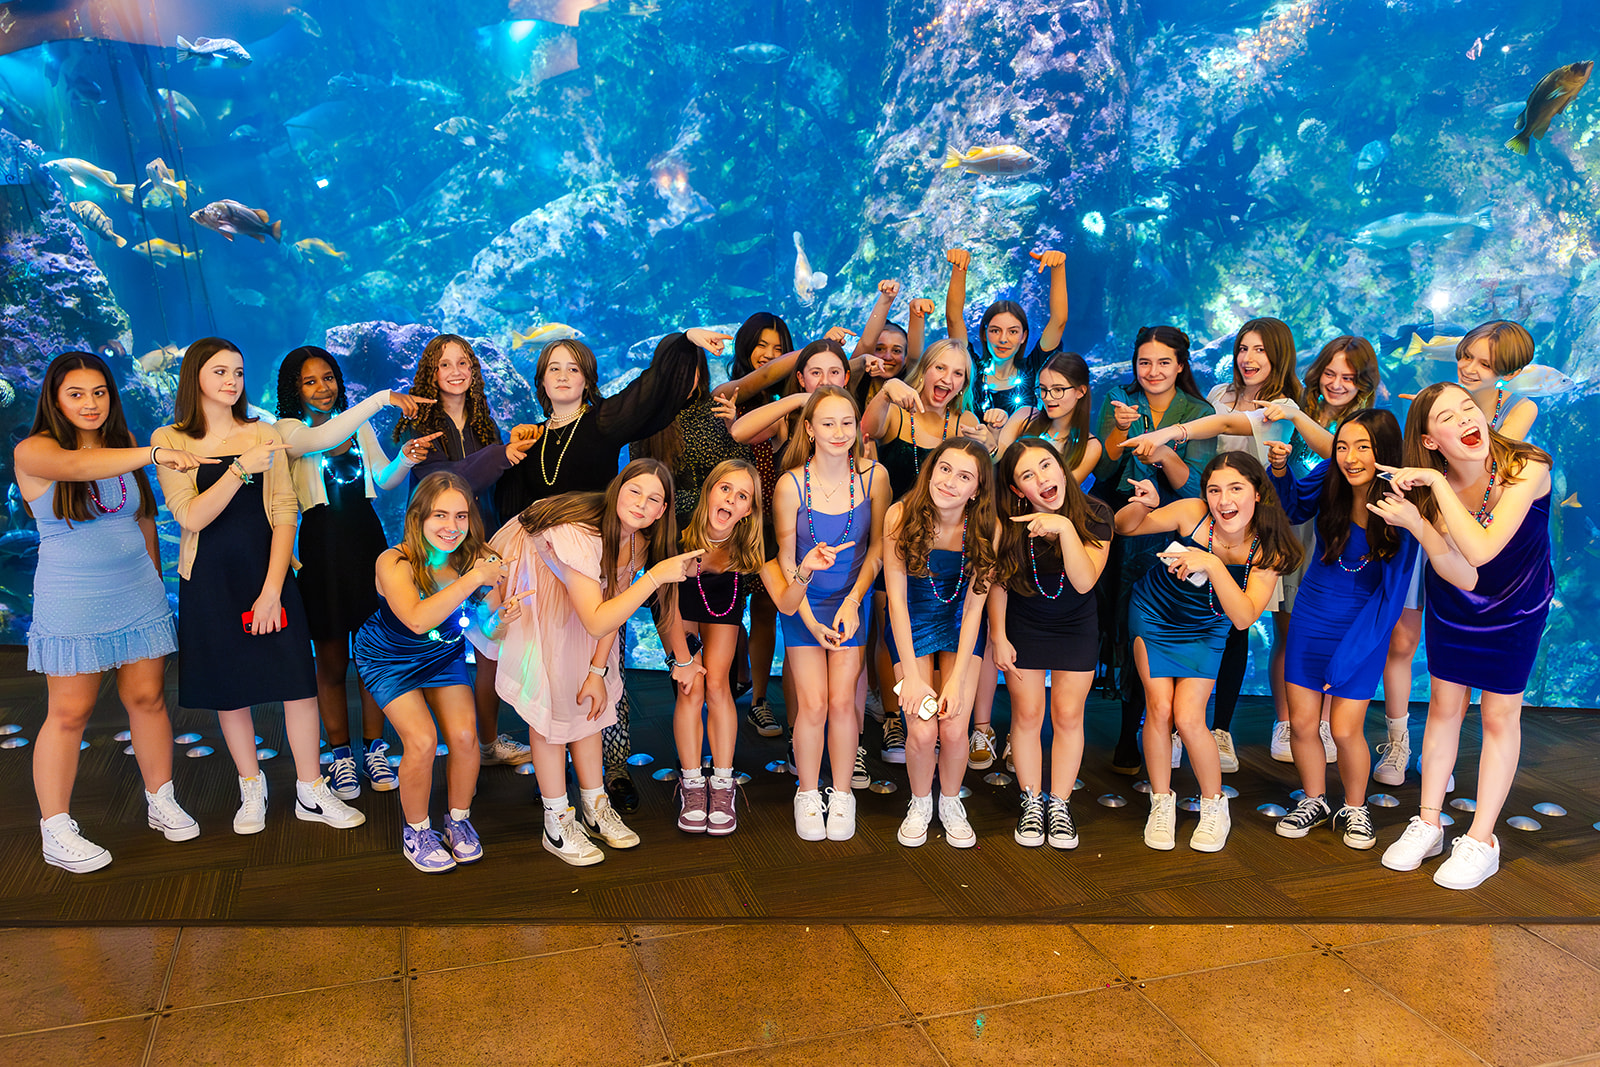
1249,561
549,478
850,516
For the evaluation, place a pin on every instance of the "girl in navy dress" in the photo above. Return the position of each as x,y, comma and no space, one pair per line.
1350,599
412,657
1006,364
726,526
938,563
1236,541
98,603
1053,544
830,493
1483,516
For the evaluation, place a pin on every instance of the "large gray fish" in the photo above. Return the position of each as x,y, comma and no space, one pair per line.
213,52
1408,227
229,217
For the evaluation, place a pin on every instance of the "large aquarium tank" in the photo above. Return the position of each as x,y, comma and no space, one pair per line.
618,169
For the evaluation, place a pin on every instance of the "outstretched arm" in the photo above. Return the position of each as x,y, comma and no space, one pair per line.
955,297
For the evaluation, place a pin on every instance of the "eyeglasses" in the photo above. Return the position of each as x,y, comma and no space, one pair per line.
1055,392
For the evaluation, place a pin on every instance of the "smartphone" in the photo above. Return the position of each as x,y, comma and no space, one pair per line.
929,707
249,618
1387,476
1197,579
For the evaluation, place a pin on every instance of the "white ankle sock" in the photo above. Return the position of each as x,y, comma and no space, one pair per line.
460,814
1397,727
425,824
590,797
722,772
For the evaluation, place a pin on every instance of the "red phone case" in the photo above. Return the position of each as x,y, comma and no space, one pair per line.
249,618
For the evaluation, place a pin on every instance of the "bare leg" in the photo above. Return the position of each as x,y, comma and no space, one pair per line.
763,641
1027,691
844,714
722,718
806,669
1189,715
303,725
409,715
1305,741
1355,760
55,751
1440,740
1069,691
239,732
1497,766
458,717
1397,668
1158,694
143,689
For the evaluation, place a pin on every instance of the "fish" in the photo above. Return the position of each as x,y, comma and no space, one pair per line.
159,359
994,159
739,248
164,253
760,53
84,89
85,175
1136,213
1571,502
1397,231
213,52
352,82
91,216
161,178
245,134
471,132
180,105
250,298
317,246
307,24
806,281
1549,98
1009,194
1373,155
550,331
158,198
1440,348
1539,380
1476,50
426,90
229,217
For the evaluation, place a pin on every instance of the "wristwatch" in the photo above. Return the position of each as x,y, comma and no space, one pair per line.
601,671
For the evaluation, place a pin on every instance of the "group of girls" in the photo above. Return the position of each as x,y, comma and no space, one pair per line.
941,487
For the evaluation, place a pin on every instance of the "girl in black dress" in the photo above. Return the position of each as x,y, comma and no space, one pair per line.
1052,546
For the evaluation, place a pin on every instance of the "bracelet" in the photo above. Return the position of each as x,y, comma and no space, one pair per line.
686,663
853,600
803,579
653,580
1183,429
153,449
245,477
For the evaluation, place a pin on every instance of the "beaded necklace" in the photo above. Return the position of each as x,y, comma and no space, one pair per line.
1499,399
1483,515
1061,587
961,574
916,460
332,475
1249,561
699,567
850,516
94,494
550,479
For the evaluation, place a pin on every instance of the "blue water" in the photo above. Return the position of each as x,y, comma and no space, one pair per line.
632,167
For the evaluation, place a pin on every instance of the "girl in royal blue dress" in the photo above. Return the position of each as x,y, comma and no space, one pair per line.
830,493
1349,601
1482,513
938,563
1236,541
412,657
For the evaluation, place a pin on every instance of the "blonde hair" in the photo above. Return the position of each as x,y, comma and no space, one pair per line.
746,550
802,445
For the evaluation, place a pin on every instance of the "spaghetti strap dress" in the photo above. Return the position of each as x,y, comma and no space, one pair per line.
936,602
1489,637
714,599
393,660
220,666
98,602
827,589
340,543
1057,628
1183,635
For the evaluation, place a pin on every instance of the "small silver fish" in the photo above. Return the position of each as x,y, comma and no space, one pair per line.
213,52
806,280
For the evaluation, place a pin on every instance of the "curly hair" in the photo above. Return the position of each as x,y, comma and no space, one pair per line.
919,519
1363,361
430,418
1080,508
291,404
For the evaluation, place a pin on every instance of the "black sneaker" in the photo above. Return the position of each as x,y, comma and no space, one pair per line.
894,738
1354,822
1063,831
859,778
1307,815
1030,824
760,716
624,797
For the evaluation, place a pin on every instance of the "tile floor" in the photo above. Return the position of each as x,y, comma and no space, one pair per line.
769,993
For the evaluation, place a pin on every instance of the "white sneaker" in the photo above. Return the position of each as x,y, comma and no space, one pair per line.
1212,833
914,827
164,814
251,818
1469,864
568,841
1329,750
1177,750
503,751
1226,756
315,802
1159,828
64,847
1393,754
874,705
1280,742
1420,841
953,817
602,821
841,815
808,823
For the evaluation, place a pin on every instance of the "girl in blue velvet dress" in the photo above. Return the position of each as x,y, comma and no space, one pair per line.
1349,601
1236,540
938,561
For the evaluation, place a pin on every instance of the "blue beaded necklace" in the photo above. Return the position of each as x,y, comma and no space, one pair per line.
916,460
850,516
961,575
1061,587
1249,561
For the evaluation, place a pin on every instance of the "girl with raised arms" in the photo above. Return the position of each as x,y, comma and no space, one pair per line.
98,602
830,494
412,657
1053,544
938,563
1006,365
1482,513
242,633
1218,574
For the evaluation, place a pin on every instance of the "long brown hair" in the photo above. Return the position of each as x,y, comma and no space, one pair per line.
1363,361
598,511
919,518
1075,369
801,446
71,500
746,550
189,418
1280,549
1278,340
431,418
415,548
1338,498
1510,456
1081,509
